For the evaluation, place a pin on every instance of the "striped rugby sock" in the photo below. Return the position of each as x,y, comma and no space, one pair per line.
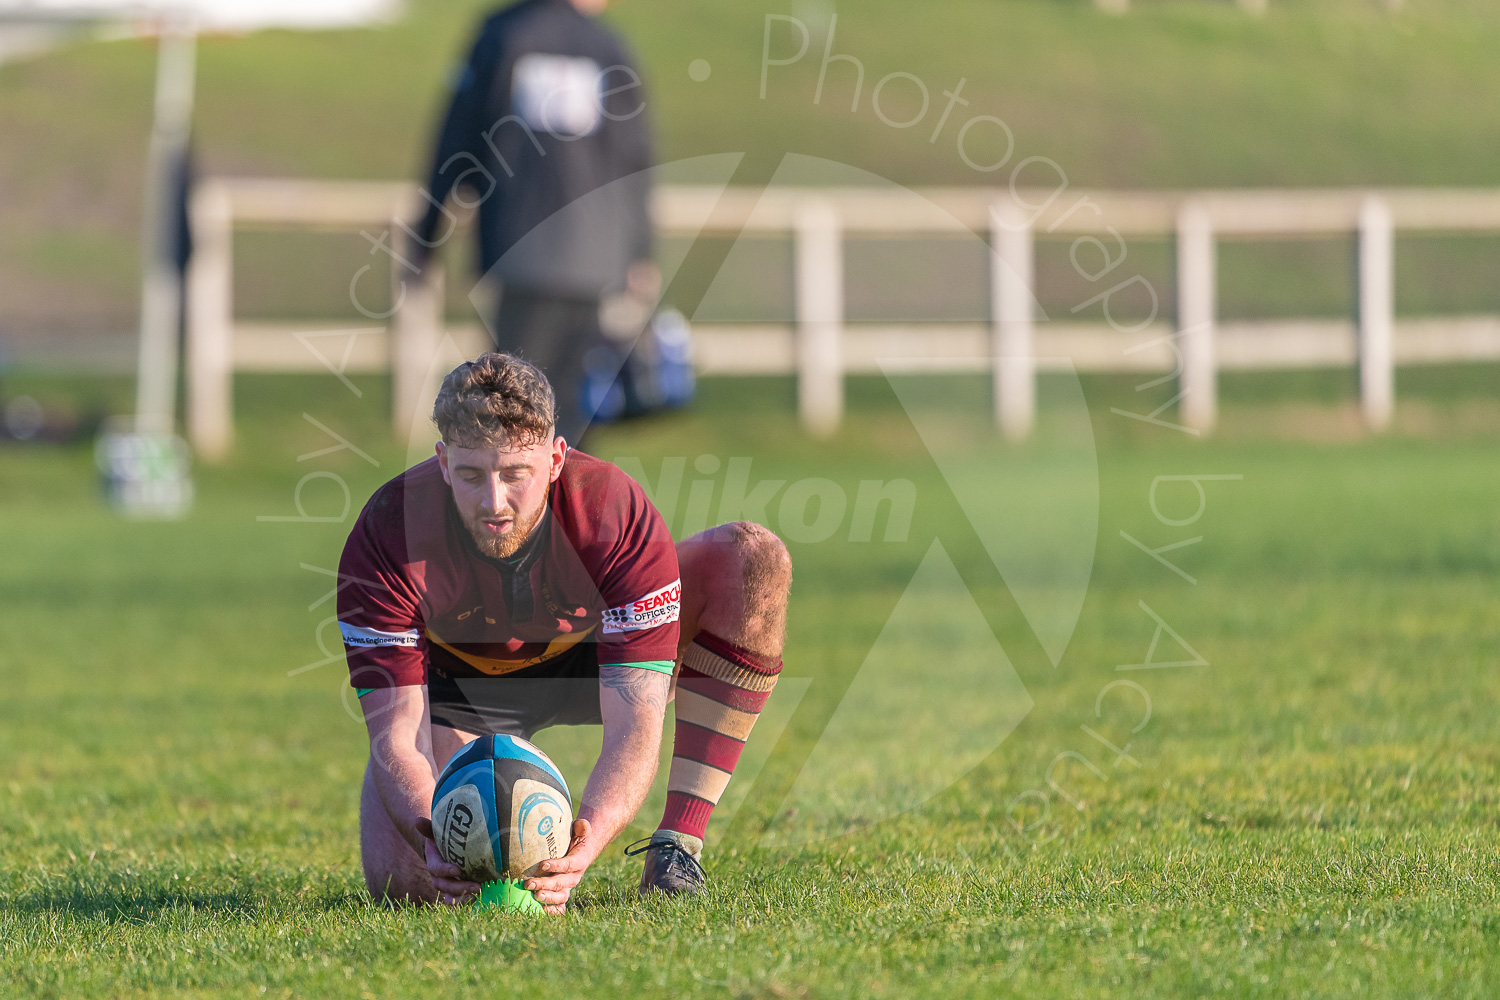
720,692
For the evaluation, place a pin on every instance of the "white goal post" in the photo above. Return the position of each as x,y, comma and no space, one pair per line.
176,24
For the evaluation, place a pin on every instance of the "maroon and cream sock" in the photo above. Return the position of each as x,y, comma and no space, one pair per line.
720,692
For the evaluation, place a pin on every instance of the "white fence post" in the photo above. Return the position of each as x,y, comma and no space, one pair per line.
1011,269
415,333
210,324
161,286
1195,317
1377,306
820,317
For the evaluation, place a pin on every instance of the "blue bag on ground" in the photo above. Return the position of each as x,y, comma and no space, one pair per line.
655,374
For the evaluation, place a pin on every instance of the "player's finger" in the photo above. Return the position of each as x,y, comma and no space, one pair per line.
551,897
439,868
581,830
436,863
450,888
458,884
544,884
553,883
555,911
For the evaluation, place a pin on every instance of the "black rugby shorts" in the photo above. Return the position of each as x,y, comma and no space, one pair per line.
563,691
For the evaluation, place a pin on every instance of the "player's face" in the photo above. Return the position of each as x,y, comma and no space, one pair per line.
501,492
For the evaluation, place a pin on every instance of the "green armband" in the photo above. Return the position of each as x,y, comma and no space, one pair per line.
660,666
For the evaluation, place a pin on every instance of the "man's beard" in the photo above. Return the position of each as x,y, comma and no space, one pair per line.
508,544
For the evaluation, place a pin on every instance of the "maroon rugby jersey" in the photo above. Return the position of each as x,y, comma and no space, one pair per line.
416,594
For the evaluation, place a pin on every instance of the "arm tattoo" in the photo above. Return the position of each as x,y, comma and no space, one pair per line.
637,687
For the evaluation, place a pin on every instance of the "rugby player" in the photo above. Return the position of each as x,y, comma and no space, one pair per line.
509,584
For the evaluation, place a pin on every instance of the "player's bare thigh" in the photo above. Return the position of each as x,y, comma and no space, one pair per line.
735,581
393,870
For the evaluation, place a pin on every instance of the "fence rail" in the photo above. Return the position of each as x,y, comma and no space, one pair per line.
820,346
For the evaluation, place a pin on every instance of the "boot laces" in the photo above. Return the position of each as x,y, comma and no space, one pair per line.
676,860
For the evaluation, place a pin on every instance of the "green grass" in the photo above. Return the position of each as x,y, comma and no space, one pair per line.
1314,811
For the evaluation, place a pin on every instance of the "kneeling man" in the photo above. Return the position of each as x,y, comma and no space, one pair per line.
510,584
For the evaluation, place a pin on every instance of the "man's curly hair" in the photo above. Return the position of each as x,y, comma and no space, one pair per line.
495,400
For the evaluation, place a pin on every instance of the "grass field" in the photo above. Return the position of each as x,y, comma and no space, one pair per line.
1314,811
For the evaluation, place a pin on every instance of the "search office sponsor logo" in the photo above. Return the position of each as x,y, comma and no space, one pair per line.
361,638
659,608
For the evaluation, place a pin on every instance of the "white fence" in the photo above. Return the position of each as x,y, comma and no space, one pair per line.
820,347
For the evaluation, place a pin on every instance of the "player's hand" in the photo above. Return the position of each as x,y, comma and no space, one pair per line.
451,888
643,281
417,254
559,875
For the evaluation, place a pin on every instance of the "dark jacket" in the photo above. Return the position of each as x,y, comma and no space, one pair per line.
547,125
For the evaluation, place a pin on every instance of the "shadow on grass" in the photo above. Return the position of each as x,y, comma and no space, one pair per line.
137,903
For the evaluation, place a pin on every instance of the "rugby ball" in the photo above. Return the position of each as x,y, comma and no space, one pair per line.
501,807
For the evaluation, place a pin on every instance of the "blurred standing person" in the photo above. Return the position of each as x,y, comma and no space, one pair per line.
546,115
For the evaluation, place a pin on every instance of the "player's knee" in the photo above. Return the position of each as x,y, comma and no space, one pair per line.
396,888
394,872
394,879
763,559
